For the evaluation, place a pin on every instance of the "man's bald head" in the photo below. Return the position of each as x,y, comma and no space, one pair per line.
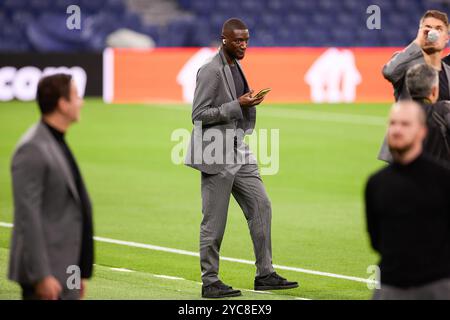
412,107
235,37
407,126
233,24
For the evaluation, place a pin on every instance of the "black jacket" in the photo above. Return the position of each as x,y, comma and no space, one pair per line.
436,143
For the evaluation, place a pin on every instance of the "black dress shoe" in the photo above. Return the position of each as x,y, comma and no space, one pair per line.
219,290
273,282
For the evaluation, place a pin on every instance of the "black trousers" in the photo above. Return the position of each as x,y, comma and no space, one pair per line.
28,292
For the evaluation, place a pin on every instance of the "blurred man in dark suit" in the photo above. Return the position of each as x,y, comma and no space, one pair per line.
52,240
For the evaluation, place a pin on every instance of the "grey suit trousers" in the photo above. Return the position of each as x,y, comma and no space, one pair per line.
244,182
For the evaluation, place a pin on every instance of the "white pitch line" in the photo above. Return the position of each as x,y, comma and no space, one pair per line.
121,269
256,291
162,276
167,277
6,225
196,254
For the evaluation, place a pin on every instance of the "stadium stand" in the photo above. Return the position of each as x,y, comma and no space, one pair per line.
40,25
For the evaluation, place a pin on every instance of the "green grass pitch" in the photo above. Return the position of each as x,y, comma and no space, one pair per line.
326,155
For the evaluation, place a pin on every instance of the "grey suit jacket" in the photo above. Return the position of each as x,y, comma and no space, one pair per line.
395,71
47,233
217,109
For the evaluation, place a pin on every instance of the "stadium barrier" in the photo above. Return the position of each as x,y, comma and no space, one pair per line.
305,75
316,75
20,72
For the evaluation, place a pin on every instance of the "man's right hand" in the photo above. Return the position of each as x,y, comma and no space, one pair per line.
422,35
48,288
248,101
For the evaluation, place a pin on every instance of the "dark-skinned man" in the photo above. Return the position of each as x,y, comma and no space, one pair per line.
224,107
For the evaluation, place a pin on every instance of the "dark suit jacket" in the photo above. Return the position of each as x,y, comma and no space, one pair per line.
394,71
48,228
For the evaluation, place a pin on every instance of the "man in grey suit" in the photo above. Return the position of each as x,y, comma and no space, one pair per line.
52,240
223,112
421,50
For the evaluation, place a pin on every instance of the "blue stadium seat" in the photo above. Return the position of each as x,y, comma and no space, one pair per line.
202,35
42,41
131,21
203,7
301,6
271,22
285,36
90,6
216,20
392,37
263,38
342,37
39,6
316,37
185,4
152,31
228,7
353,5
10,5
60,6
296,21
323,21
329,6
254,6
408,5
116,6
437,5
386,6
21,18
4,19
367,38
178,32
345,20
54,25
276,6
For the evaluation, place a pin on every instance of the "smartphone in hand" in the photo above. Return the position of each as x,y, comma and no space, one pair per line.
262,93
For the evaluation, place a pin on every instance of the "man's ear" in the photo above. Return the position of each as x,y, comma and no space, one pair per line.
62,104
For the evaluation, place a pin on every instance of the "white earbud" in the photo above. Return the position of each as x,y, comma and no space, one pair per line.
224,41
